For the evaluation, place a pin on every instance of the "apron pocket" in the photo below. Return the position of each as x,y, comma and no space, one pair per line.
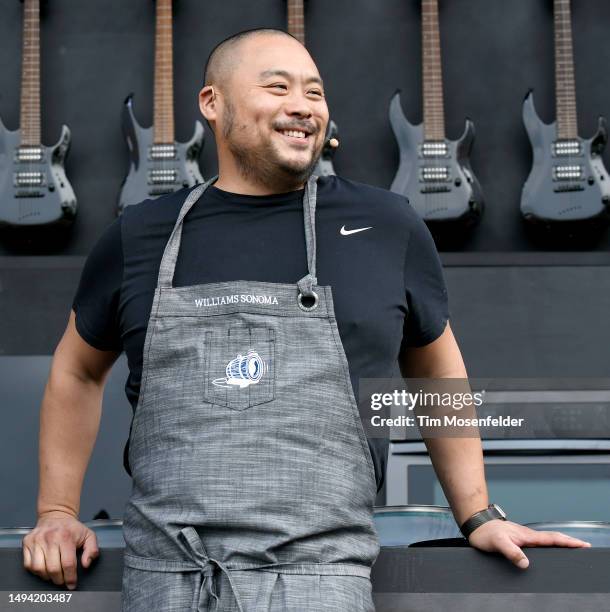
239,369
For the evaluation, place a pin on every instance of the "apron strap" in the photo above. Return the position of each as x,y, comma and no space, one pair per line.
206,566
307,283
194,544
170,254
172,248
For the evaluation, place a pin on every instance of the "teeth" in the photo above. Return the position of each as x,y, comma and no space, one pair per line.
294,133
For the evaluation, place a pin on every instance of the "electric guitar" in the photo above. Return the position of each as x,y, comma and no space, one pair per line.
158,164
568,181
34,190
296,27
434,173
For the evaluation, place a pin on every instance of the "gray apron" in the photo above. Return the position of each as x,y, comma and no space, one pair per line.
253,483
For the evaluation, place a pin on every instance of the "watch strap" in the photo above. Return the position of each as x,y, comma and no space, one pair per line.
479,518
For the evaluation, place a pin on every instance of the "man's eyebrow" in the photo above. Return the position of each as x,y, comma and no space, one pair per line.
283,73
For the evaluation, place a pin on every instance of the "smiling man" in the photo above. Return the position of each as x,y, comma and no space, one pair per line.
258,145
249,308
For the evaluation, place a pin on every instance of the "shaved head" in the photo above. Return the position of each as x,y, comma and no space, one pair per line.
263,98
224,57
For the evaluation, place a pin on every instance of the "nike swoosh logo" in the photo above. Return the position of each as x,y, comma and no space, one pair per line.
345,232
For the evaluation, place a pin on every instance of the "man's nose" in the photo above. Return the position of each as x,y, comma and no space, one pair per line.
299,111
298,105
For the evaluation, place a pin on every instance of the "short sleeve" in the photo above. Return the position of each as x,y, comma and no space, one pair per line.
426,292
96,302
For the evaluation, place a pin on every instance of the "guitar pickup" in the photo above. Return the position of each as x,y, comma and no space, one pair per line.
566,148
28,179
161,152
434,174
435,189
567,173
157,191
162,177
28,154
568,187
433,148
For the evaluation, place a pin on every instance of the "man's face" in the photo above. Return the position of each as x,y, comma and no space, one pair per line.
274,113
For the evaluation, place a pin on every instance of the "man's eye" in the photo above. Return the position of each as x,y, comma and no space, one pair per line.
316,92
280,85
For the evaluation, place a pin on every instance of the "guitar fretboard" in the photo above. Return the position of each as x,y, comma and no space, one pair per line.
434,116
565,90
296,19
163,110
30,75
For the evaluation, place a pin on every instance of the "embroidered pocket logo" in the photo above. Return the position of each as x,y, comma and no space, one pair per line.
243,371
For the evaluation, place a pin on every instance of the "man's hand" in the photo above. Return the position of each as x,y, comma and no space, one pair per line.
49,550
507,537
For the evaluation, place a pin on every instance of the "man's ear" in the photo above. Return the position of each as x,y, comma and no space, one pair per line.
207,103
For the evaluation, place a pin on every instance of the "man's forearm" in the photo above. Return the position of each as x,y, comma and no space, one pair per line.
458,463
69,422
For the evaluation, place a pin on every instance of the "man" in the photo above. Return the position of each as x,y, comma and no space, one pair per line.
249,307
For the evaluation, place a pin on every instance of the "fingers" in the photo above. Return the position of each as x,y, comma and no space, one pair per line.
90,549
537,538
513,553
34,560
554,538
68,563
27,557
50,549
53,560
508,538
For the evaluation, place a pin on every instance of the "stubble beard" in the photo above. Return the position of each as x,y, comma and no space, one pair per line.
262,164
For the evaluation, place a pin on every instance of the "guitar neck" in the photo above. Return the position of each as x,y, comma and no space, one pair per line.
296,19
434,116
30,75
565,90
163,110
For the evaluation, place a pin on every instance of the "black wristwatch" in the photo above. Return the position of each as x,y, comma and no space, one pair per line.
493,511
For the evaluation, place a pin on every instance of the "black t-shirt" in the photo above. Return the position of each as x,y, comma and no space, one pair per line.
387,281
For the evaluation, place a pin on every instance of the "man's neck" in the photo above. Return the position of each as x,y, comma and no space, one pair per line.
235,183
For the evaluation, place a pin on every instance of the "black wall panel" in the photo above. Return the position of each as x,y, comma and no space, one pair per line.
96,52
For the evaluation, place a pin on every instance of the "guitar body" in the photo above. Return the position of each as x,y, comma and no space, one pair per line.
568,181
438,182
157,169
34,191
325,167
